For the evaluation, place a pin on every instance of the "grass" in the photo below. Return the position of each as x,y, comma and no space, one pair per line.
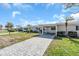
4,31
7,40
23,36
63,46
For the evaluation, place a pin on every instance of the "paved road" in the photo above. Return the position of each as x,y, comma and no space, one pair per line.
35,46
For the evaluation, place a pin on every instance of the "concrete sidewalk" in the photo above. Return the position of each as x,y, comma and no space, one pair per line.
35,46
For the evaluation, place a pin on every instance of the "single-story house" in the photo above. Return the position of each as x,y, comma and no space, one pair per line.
73,26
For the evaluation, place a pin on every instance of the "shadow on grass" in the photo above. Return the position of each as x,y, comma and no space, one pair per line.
36,35
47,36
74,40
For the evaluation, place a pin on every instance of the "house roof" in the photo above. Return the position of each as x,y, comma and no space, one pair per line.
47,25
60,23
73,22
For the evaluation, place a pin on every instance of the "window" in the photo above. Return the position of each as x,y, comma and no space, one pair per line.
77,27
53,28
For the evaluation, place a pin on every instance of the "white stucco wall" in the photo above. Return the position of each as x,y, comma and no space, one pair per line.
61,28
78,33
69,28
48,30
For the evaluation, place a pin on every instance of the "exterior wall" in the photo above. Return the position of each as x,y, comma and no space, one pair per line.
69,28
78,33
48,30
61,28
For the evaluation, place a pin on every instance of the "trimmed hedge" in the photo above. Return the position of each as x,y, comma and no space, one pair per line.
61,33
72,34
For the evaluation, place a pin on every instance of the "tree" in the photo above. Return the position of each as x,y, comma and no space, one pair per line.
19,28
66,23
1,27
29,27
69,5
9,26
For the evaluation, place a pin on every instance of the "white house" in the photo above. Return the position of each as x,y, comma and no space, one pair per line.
58,27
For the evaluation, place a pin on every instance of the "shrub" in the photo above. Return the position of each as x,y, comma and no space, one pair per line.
50,33
61,33
12,30
72,34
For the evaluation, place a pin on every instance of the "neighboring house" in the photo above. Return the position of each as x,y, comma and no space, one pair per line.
58,27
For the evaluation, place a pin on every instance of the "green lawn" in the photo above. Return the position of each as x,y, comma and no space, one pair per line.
22,36
6,40
63,46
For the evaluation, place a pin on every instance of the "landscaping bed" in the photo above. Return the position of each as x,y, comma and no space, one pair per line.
63,46
6,40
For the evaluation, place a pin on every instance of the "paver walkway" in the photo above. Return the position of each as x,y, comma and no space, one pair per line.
35,46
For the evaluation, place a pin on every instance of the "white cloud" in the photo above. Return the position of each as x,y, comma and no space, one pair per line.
22,5
14,13
49,4
25,22
42,21
65,10
6,5
59,18
75,16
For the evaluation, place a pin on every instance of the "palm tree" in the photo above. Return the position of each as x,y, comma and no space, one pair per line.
66,23
9,26
69,5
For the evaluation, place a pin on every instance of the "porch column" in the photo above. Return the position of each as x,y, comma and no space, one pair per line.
56,30
42,30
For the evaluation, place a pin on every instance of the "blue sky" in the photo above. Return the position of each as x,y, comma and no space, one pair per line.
34,13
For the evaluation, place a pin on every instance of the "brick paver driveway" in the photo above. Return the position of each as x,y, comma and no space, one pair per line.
35,46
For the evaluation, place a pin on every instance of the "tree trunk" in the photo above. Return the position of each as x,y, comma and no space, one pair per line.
66,28
9,33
